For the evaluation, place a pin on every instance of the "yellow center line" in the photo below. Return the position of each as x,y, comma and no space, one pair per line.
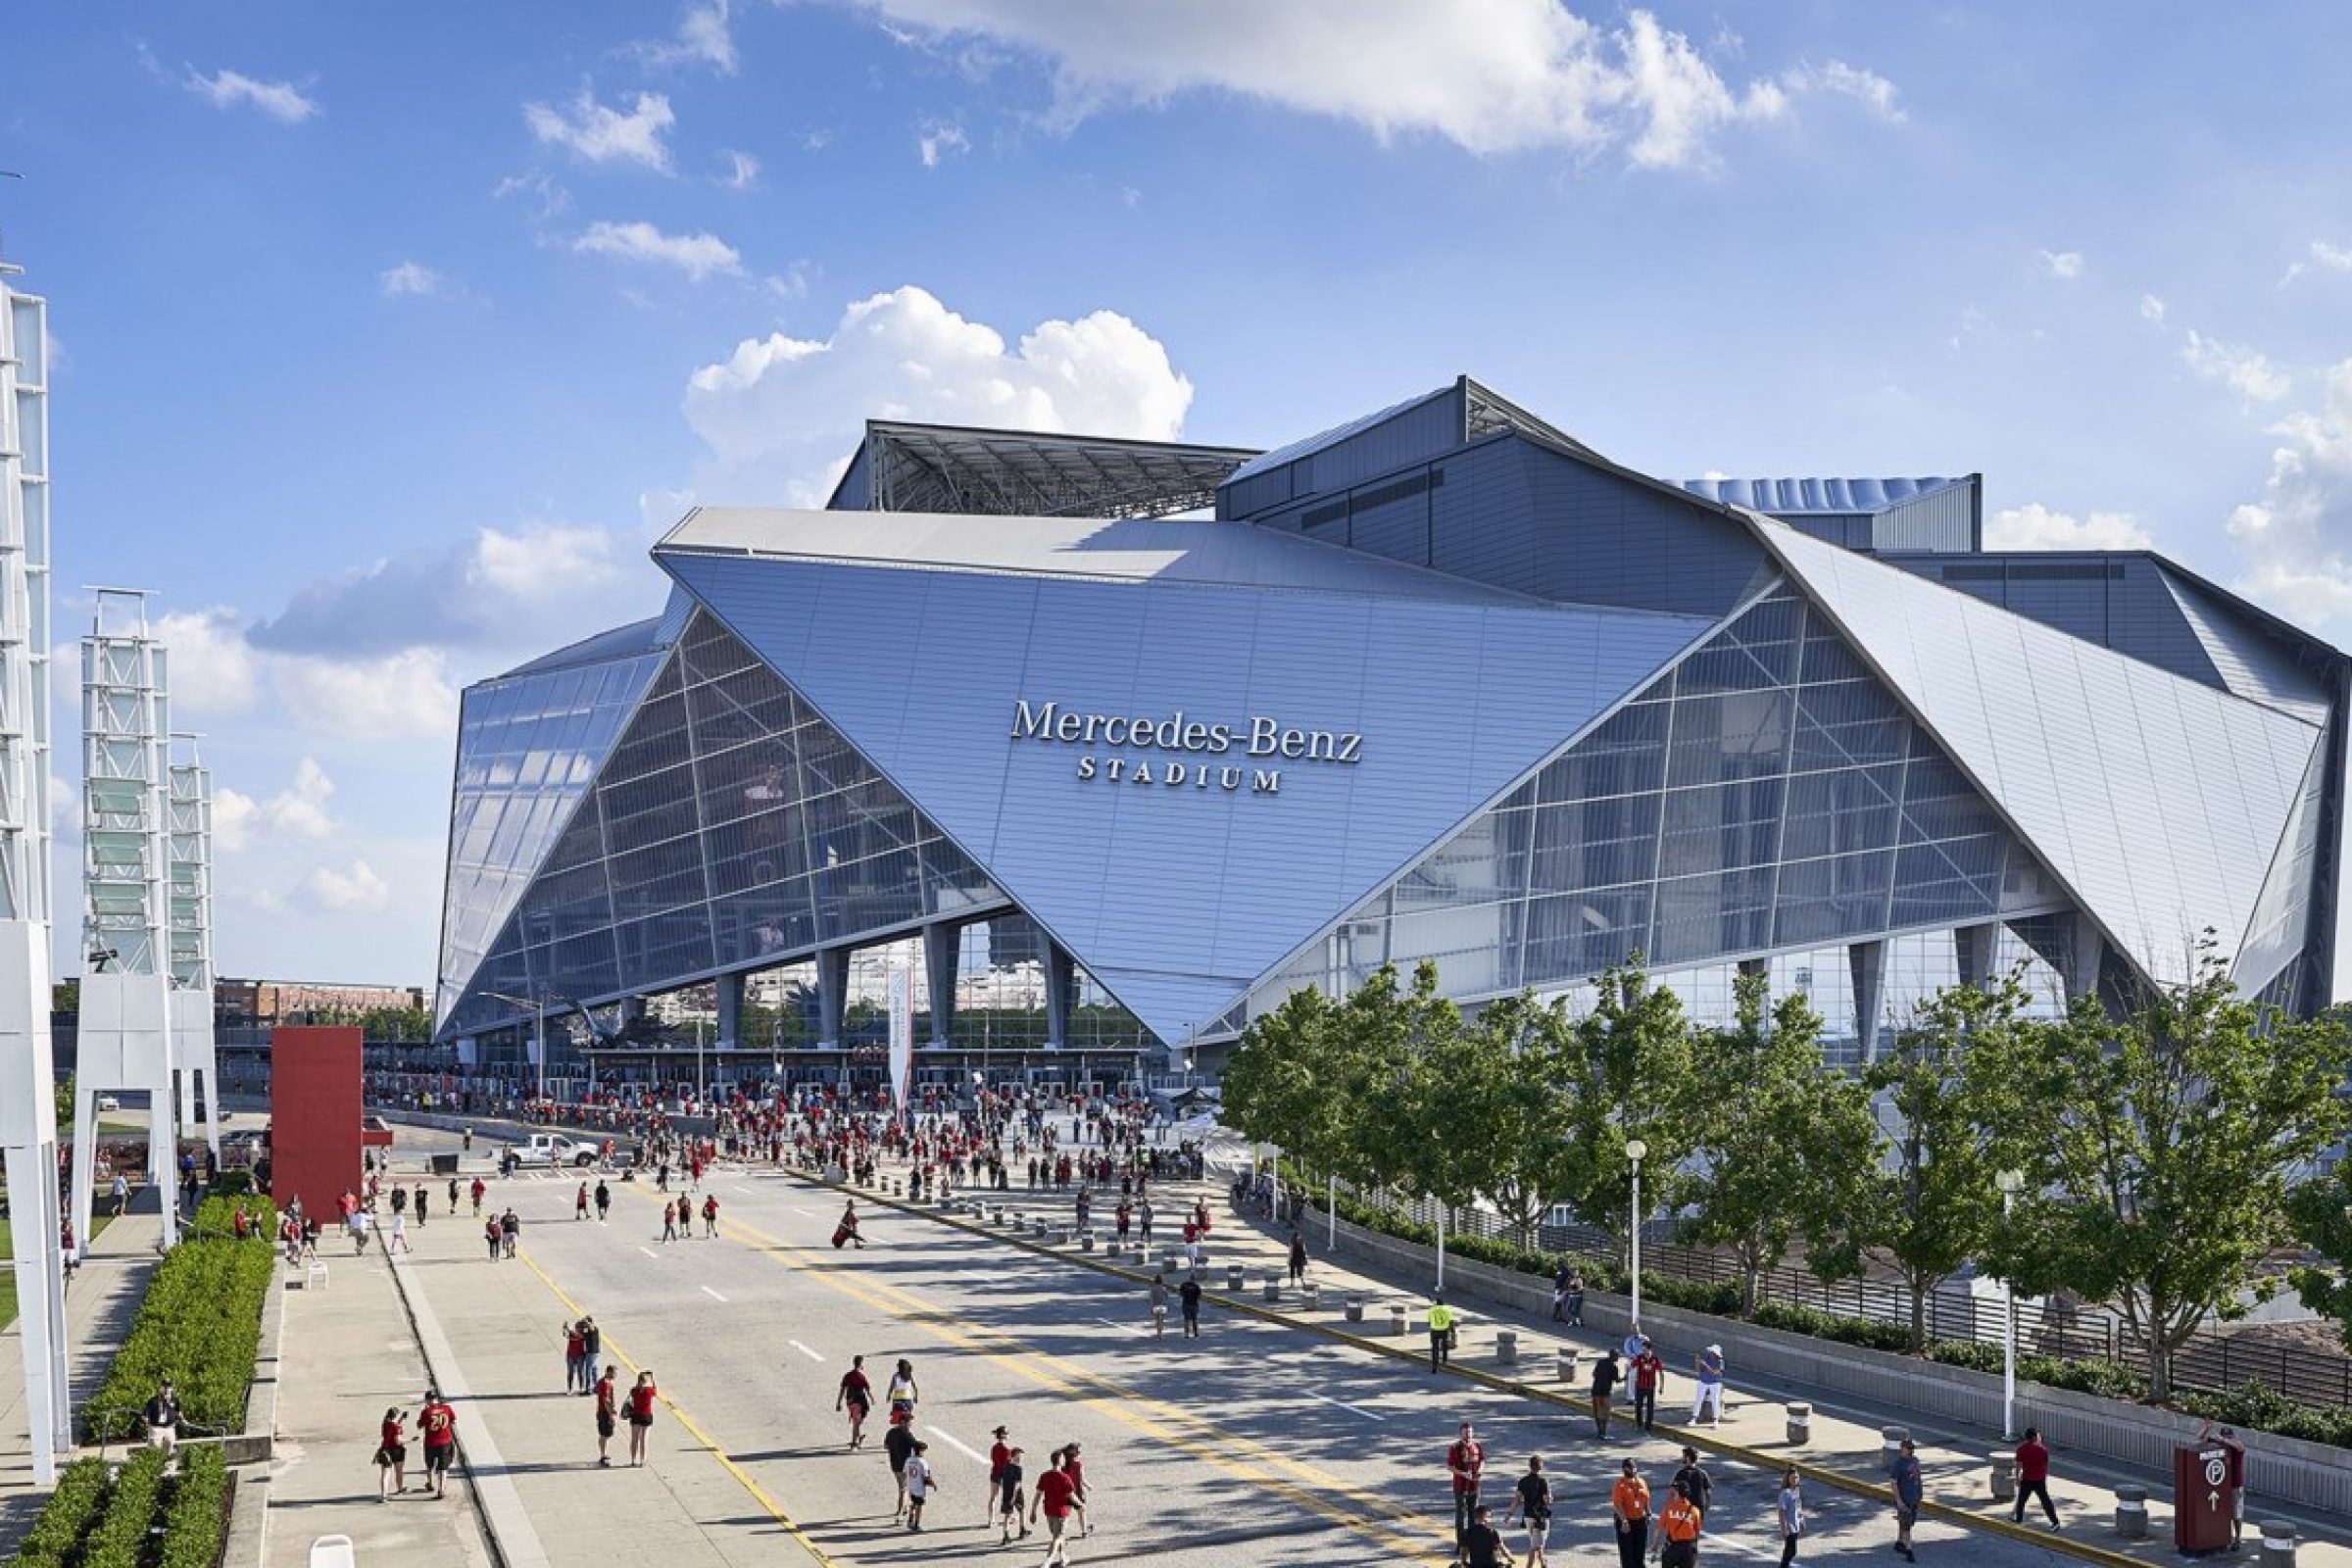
1166,1424
692,1427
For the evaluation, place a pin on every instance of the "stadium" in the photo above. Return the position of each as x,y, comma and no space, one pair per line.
1100,748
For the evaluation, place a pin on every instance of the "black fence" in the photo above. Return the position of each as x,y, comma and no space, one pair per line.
2213,1361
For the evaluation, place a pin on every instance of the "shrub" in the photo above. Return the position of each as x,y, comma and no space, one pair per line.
233,1183
200,1325
193,1511
2109,1380
65,1518
217,1215
2268,1410
122,1534
1870,1332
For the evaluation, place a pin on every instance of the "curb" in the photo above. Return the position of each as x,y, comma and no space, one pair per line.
2050,1541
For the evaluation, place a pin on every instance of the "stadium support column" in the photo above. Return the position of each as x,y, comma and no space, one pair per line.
730,1012
1978,949
1062,993
189,809
28,1071
832,993
942,945
1867,961
2088,950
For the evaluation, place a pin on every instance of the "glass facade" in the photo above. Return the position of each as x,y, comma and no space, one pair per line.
1766,793
730,824
2281,924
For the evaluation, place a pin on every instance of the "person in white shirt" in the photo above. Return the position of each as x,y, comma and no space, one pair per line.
920,1482
1708,1366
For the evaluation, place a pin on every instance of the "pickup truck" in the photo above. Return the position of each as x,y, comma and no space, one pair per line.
548,1149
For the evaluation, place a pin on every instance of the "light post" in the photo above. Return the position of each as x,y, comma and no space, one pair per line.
1636,1149
2010,1182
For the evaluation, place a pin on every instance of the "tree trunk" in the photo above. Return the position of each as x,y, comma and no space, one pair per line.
1919,1312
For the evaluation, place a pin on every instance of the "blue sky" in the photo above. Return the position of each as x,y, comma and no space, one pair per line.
390,336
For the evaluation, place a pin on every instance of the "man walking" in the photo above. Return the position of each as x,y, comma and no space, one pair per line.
1606,1376
1467,1464
608,1416
1649,1380
1188,1296
1910,1488
1441,1332
1057,1495
1680,1521
2034,1477
1707,1367
1531,1503
439,1424
1693,1481
1629,1506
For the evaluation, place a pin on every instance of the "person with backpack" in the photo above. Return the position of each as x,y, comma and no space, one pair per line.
1679,1524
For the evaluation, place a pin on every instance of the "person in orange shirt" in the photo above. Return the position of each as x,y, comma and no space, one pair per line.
1629,1502
1679,1521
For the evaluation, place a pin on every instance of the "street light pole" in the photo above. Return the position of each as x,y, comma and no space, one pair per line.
2009,1181
1634,1151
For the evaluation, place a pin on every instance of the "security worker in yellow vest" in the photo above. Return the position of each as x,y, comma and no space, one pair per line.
1441,1332
1679,1523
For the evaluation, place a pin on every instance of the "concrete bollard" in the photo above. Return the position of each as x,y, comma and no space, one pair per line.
1397,1315
1272,1289
2277,1544
1801,1425
1311,1296
2003,1463
1086,1241
1890,1444
1356,1309
2131,1512
1234,1273
1567,1363
1506,1349
1175,1261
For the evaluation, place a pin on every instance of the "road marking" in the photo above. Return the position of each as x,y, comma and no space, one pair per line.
803,1350
956,1445
1343,1405
650,1253
748,1192
1123,1328
714,1295
693,1430
810,1212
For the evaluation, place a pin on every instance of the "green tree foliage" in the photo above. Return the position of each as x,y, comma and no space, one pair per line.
1632,1068
1499,1102
2321,1212
1282,1083
1785,1147
2163,1142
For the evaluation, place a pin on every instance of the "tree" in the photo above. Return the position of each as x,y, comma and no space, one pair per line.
1279,1084
1499,1099
1784,1147
2321,1212
1630,1073
1392,1045
2164,1140
1935,1206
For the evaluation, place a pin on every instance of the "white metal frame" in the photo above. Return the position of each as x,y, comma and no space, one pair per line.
188,825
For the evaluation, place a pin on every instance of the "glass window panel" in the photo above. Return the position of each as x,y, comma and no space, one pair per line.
1738,735
1625,756
1838,814
1710,917
1569,938
1735,825
1929,886
1824,899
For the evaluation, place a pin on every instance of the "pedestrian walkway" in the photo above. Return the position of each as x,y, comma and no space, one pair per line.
99,1306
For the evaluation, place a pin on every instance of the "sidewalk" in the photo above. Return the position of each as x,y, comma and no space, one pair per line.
99,1306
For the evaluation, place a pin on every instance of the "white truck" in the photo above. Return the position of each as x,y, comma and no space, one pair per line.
548,1149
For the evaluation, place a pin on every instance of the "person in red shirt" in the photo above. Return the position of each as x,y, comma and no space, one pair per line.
641,1414
710,1214
1649,1380
1057,1495
1466,1463
2034,1477
439,1424
391,1457
607,1410
857,1396
1075,1469
999,1454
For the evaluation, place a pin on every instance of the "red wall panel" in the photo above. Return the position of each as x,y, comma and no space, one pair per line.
314,1116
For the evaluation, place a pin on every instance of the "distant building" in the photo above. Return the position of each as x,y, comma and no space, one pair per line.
267,1004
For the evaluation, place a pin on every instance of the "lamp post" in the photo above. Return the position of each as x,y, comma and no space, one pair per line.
1634,1151
2010,1182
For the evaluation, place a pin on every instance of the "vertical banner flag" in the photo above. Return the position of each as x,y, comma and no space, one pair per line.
902,1037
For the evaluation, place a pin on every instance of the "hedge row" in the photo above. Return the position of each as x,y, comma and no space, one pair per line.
2253,1406
200,1325
121,1533
57,1535
194,1510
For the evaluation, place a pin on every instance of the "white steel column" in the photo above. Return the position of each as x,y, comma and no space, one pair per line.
126,1034
188,822
27,1069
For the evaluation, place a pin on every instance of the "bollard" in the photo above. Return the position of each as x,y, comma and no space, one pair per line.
996,1215
1506,1349
1395,1320
1567,1363
1890,1444
1175,1261
2277,1544
1232,1276
1272,1289
1311,1296
1356,1309
2131,1512
1801,1425
1086,1241
2004,1475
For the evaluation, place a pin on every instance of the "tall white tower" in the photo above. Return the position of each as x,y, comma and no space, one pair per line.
28,1070
126,1033
188,825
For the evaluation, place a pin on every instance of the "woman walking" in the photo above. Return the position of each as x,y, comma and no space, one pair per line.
669,1222
903,1391
1298,1258
575,1358
1791,1516
856,1397
391,1458
640,1415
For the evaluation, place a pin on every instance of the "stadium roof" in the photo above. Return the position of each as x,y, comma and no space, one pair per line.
1788,496
1483,412
968,470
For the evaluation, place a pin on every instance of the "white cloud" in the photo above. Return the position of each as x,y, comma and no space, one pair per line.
2245,372
2066,266
2036,526
340,892
2320,257
703,39
215,673
404,695
698,256
944,141
2151,309
410,278
233,816
1489,75
2296,538
781,413
281,101
743,170
299,810
551,197
601,135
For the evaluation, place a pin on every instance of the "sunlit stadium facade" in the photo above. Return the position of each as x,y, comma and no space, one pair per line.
1112,745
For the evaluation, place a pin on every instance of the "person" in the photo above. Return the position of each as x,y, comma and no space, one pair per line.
2034,1477
2226,1437
1792,1511
856,1397
1649,1380
669,1222
1629,1506
710,1214
1707,1368
603,1202
1910,1489
491,1236
897,1444
1058,1496
1159,1305
642,1395
1466,1467
592,1346
161,1415
846,1233
439,1424
903,1391
452,1196
1188,1296
399,1233
1482,1542
1009,1498
1606,1376
1531,1504
1075,1468
1693,1481
1441,1332
1559,1292
66,1252
1634,1339
579,1202
1679,1520
510,1230
1298,1258
608,1413
391,1457
420,1206
121,1194
478,1190
577,1368
998,1451
359,1231
920,1482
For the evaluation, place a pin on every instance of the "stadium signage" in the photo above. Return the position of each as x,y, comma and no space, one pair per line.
1169,742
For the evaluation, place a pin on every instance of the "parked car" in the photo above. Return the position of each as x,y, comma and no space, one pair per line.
108,1102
